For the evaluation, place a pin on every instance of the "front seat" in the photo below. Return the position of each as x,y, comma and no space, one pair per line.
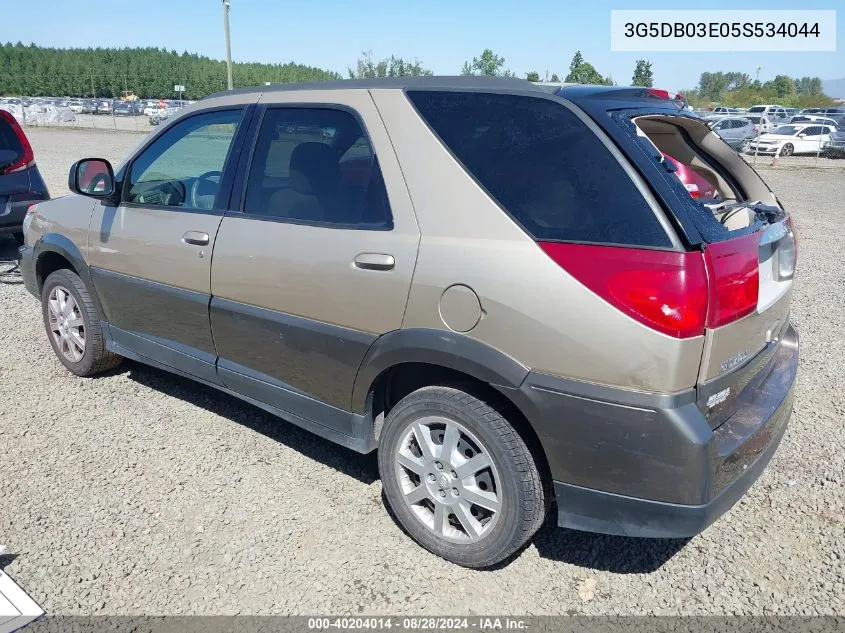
313,185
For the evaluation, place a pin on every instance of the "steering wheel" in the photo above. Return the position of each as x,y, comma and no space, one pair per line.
196,193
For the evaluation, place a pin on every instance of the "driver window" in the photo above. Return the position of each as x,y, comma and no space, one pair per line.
182,168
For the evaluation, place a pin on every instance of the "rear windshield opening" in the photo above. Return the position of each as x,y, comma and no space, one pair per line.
711,172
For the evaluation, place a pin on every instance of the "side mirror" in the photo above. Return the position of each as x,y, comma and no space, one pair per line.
801,135
92,177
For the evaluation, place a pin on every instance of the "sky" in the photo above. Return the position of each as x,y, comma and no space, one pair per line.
532,35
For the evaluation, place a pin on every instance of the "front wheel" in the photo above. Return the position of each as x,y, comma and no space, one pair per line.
73,325
459,478
787,150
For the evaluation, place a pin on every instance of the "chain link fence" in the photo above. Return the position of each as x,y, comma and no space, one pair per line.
100,115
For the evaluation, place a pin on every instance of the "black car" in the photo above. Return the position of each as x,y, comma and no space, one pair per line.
20,181
124,108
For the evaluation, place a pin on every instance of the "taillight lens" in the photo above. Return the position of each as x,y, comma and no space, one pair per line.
733,268
26,154
667,291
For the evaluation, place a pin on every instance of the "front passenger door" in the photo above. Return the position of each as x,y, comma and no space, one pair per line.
317,263
150,256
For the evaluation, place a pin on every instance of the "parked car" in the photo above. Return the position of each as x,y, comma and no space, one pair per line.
697,186
760,122
487,281
735,131
161,115
813,118
125,108
764,109
801,138
21,183
724,110
835,146
104,107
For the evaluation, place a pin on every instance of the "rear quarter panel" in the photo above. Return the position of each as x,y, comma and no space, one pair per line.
532,310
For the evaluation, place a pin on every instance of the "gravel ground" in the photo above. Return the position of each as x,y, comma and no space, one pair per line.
143,493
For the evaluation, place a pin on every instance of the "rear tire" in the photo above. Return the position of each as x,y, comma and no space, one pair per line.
475,502
73,325
787,150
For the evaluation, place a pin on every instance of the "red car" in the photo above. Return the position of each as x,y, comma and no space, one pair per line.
697,186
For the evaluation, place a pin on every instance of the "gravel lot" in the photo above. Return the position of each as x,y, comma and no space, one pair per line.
143,493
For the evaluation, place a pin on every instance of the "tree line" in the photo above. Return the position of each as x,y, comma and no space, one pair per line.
148,72
152,73
739,89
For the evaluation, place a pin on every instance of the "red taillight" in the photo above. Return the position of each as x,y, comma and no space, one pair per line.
666,291
733,271
665,94
27,155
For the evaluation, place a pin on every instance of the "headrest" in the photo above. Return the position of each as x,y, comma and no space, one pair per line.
313,166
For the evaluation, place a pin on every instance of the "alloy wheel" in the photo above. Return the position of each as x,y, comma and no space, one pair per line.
66,324
448,479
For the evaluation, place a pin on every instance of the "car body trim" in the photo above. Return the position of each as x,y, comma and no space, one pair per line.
122,295
316,358
434,347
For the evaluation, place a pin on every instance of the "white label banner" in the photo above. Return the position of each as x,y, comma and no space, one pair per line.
723,30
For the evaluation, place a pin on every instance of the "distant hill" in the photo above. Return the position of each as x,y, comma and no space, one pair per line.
834,88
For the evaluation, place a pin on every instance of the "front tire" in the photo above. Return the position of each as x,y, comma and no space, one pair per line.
73,325
459,478
787,150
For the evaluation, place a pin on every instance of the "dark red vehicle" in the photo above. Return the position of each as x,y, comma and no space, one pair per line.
21,183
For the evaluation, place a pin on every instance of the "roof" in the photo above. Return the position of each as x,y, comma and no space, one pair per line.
397,83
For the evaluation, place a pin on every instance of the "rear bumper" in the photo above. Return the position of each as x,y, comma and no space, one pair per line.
12,221
649,465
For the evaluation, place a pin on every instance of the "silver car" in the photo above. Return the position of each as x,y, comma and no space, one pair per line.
735,131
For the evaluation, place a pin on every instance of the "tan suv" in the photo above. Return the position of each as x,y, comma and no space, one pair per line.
505,290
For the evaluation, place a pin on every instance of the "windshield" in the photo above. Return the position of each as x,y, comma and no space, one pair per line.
787,130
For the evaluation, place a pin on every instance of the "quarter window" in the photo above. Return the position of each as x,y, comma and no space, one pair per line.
183,167
543,165
316,165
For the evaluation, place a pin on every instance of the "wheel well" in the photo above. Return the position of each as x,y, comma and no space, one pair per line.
400,380
48,263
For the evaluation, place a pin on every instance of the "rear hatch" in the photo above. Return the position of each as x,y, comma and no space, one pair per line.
745,237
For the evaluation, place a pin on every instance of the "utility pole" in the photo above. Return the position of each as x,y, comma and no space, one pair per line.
228,46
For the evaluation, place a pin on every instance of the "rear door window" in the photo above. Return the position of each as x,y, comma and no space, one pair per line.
543,166
316,166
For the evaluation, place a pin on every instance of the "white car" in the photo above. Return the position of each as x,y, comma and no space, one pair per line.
813,118
792,139
761,123
772,112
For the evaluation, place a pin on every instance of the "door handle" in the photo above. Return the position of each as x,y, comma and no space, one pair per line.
197,238
374,261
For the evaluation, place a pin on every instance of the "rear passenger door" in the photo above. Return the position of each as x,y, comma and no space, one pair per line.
317,261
